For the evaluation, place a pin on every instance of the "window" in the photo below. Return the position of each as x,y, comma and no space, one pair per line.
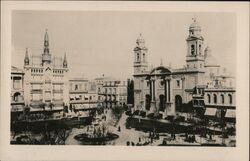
200,49
177,83
138,56
215,98
192,49
17,84
143,57
208,98
76,87
17,96
200,65
222,98
230,98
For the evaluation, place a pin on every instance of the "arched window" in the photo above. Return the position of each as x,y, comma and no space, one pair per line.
200,49
76,87
16,96
215,98
192,49
230,98
138,56
143,57
222,98
208,98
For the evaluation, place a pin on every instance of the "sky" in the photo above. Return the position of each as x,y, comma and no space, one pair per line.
102,42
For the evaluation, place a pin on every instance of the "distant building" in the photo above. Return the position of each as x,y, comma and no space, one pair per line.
45,79
17,90
168,91
111,92
82,94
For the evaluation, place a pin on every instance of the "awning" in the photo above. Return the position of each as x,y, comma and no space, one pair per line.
210,111
230,114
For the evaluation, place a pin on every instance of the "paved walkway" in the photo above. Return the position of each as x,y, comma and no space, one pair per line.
132,135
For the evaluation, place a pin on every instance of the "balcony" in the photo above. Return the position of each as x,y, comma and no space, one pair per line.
17,100
77,91
57,91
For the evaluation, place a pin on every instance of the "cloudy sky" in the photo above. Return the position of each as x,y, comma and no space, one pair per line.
99,43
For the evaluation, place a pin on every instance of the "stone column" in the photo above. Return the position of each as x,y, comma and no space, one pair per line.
169,91
165,89
150,89
153,103
153,90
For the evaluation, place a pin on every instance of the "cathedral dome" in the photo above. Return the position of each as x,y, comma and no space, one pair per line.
195,26
140,40
210,60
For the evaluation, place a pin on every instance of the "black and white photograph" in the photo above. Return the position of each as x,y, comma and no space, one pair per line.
135,78
123,78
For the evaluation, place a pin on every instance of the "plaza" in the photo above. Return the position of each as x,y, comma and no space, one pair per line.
192,105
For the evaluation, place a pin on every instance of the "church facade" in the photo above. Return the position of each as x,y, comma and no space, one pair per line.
166,90
45,79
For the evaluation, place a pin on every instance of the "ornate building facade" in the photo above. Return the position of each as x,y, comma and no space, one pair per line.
45,79
166,90
17,90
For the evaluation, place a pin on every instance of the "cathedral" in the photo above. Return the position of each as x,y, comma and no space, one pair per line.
45,78
166,90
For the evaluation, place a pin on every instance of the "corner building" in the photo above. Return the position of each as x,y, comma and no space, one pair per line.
45,79
165,90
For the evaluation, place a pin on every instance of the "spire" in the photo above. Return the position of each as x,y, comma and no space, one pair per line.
26,59
46,56
65,63
46,42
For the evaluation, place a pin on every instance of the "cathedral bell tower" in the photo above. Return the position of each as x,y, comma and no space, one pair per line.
140,55
46,56
195,55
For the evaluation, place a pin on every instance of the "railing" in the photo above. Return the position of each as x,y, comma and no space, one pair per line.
57,90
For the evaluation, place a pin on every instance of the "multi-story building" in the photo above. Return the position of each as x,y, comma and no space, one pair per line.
166,90
111,91
45,79
17,90
83,94
122,92
220,101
